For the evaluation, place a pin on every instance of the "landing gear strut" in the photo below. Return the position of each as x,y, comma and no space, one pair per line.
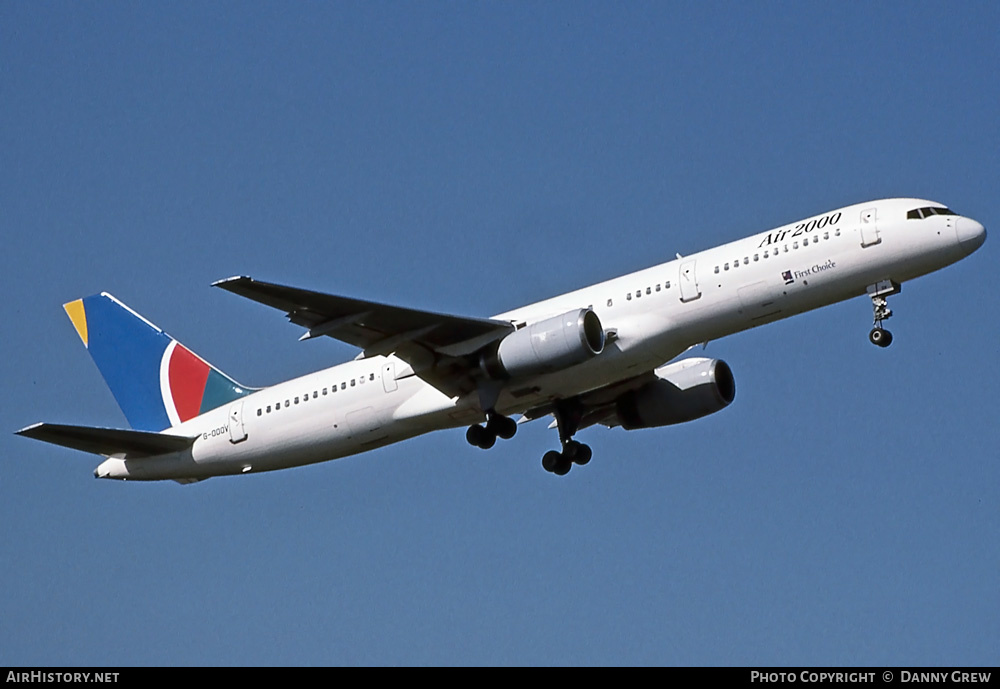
568,417
878,293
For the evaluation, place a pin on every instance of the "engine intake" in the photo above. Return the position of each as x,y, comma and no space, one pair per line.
547,346
685,390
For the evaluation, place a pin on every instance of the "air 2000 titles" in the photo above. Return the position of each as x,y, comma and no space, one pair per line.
800,229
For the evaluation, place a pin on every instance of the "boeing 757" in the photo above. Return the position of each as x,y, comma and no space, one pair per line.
605,354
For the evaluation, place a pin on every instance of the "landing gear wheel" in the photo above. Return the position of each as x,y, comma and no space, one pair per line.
563,466
502,426
480,437
577,452
880,337
550,460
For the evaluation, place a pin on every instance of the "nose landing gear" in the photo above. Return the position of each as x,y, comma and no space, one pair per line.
878,293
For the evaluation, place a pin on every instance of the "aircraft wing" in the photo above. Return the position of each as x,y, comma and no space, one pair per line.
108,441
375,328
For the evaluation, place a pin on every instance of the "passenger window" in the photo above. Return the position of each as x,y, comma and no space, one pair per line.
371,376
756,257
795,245
667,285
716,269
628,297
826,235
269,409
286,404
765,254
324,391
638,293
725,267
609,303
259,412
296,400
746,260
343,386
805,242
352,382
658,284
649,290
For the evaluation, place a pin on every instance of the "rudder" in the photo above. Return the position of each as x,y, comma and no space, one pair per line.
156,381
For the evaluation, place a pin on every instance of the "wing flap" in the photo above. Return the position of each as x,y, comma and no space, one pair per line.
108,441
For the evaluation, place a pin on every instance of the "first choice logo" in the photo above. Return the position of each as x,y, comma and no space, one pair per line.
818,268
790,276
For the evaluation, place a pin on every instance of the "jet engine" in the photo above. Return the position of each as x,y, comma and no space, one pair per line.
550,345
683,391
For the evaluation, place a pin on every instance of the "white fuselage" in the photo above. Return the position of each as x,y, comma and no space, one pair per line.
651,316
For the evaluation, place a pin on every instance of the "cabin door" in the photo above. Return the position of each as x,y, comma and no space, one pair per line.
869,227
688,282
237,433
389,376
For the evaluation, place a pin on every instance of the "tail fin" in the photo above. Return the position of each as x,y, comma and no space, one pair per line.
156,381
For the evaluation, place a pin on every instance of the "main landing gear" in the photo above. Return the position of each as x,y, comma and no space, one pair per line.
878,293
573,452
497,426
568,417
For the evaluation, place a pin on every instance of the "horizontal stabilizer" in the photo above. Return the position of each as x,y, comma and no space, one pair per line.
107,441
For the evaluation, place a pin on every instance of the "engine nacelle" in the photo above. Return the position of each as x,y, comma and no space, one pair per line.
550,345
684,391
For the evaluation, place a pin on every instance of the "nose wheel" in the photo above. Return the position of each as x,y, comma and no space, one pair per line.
880,337
879,292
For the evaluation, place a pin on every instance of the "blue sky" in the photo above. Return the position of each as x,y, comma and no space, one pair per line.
471,158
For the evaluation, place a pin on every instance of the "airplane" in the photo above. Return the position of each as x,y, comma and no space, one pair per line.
602,355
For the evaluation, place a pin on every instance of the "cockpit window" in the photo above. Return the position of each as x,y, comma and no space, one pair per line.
919,213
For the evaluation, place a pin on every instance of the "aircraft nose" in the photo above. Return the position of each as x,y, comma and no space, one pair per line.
971,234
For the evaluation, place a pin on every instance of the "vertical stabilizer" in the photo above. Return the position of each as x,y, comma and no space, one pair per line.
156,380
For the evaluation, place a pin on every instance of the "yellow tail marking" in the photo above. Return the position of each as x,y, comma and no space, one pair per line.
78,315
